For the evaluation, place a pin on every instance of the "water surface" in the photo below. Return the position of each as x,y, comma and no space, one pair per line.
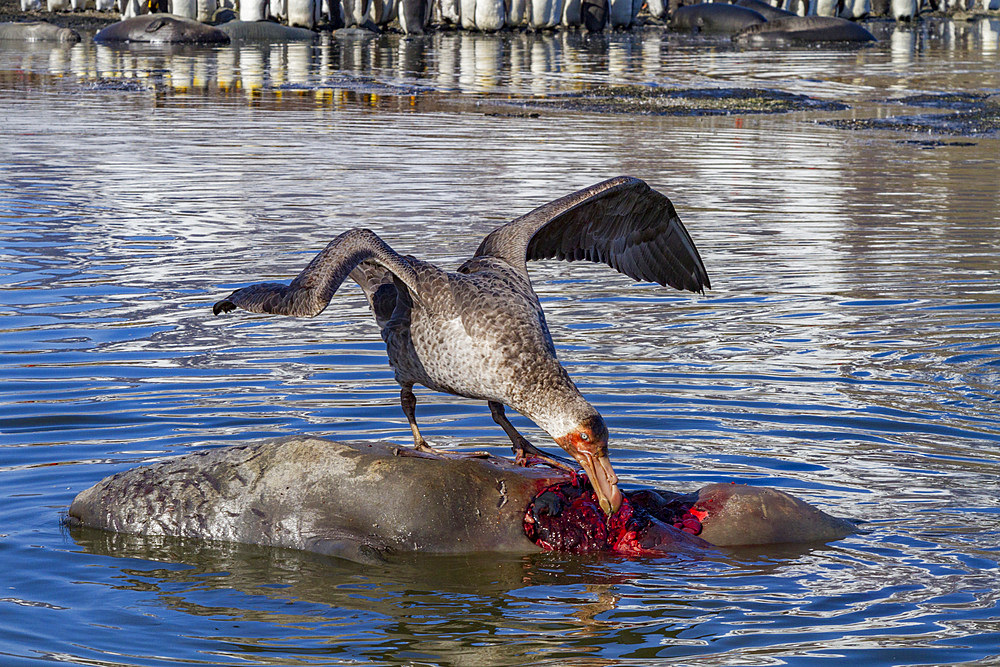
848,351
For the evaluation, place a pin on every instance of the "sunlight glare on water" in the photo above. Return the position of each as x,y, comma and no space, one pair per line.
847,351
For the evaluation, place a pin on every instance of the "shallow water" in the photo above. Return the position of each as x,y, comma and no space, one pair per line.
848,351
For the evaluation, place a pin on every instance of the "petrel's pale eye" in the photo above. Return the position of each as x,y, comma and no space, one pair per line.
584,437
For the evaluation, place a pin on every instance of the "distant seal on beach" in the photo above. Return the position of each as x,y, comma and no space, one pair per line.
769,12
265,31
161,29
803,30
37,31
714,17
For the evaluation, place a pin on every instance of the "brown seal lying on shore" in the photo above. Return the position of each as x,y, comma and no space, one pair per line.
803,30
37,31
714,17
263,32
365,501
161,29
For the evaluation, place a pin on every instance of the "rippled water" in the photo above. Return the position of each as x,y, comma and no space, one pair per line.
848,351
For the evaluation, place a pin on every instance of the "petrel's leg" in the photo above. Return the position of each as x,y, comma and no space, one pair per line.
524,451
409,403
421,448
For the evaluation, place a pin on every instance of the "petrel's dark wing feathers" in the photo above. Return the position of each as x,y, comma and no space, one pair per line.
621,222
311,291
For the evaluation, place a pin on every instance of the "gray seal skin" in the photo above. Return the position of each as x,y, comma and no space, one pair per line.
714,17
769,12
38,31
162,29
265,31
803,30
365,501
741,515
359,501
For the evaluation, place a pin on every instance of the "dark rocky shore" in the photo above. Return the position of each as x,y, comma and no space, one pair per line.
86,21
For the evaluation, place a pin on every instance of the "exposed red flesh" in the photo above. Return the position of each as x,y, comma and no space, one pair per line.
567,517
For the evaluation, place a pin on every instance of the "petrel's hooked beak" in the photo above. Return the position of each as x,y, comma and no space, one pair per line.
602,477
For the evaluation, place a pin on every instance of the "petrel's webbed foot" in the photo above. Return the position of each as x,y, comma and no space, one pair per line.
421,448
525,453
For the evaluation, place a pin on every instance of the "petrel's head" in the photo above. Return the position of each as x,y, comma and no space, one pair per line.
587,442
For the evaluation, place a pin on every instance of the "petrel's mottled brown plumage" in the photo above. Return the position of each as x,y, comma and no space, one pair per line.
480,332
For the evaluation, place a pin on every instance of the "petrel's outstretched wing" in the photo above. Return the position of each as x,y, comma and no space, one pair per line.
621,222
311,291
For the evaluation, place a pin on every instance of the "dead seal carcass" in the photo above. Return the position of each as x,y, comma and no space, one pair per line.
355,500
365,501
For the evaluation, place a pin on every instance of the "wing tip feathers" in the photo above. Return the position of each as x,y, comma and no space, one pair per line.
223,306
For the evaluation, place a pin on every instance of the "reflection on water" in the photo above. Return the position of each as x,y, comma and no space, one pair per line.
848,351
509,604
522,63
